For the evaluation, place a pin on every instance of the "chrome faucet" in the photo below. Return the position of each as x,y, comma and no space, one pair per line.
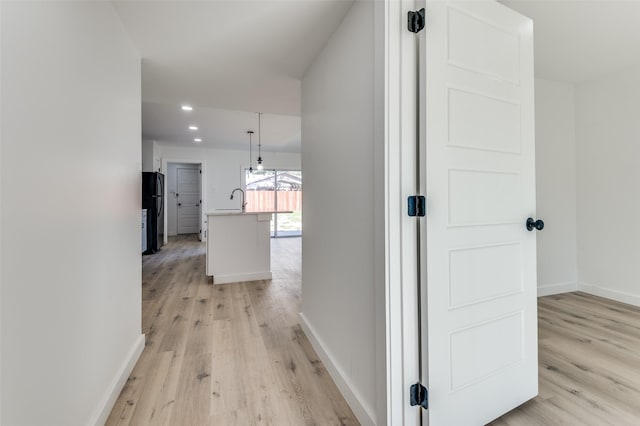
244,205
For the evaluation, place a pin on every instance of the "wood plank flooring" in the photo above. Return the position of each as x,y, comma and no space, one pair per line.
589,357
229,354
234,354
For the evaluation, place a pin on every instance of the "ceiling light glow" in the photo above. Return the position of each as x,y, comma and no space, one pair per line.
186,108
193,127
197,140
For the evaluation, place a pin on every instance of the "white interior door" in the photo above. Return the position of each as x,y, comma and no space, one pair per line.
188,197
480,325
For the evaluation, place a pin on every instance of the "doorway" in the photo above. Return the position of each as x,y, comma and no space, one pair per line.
185,197
188,200
184,204
472,334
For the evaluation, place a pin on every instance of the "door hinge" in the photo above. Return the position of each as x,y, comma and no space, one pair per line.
417,205
416,20
419,395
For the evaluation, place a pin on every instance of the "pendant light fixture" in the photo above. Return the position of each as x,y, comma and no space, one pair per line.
259,143
250,132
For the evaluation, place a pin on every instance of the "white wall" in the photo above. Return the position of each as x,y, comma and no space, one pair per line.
340,148
224,169
556,187
172,189
147,156
71,319
608,200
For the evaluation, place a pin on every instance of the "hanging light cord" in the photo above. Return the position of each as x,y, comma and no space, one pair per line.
250,149
259,141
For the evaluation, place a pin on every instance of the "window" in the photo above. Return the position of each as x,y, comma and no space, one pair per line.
277,191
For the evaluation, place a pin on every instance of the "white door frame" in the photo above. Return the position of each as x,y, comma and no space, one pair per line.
401,315
180,169
203,191
401,261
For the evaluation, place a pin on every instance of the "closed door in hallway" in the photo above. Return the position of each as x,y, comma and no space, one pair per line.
189,200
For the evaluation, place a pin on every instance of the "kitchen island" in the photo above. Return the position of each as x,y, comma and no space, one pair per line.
238,246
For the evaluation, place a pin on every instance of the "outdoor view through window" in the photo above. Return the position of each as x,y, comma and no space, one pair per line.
277,191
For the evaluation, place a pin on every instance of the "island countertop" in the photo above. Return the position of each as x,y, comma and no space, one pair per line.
238,212
238,246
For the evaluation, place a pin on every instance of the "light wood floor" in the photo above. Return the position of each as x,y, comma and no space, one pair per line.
229,354
589,364
235,355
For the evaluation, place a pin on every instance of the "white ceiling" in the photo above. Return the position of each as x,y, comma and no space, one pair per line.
242,56
577,41
220,128
232,58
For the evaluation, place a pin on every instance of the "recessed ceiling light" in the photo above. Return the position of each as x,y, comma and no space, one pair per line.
193,127
187,108
197,140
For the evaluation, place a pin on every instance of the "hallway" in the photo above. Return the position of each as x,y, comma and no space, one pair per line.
231,354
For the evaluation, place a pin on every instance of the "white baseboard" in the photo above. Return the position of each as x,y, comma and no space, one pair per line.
617,295
238,278
363,413
111,395
550,289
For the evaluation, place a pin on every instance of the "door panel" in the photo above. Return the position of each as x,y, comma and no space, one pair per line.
480,342
188,189
483,122
483,197
482,45
499,266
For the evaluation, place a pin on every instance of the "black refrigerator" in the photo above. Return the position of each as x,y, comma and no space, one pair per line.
153,201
